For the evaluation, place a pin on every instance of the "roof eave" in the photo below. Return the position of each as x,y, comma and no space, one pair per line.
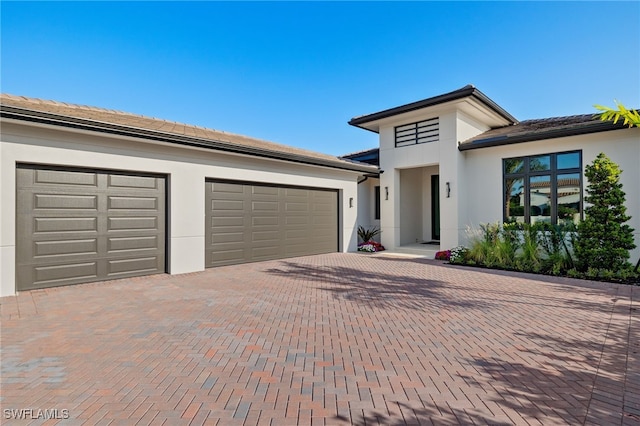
40,117
467,91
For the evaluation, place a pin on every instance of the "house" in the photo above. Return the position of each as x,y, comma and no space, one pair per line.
90,194
459,160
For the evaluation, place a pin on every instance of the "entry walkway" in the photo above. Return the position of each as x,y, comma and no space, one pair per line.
330,339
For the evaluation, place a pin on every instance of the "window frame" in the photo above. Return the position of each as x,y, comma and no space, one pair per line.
526,174
376,202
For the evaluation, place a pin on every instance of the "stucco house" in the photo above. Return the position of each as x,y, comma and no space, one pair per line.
458,160
90,194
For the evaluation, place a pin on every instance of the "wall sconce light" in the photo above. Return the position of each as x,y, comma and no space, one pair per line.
350,202
386,192
448,190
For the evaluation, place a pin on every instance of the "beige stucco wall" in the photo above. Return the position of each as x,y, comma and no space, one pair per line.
186,169
484,171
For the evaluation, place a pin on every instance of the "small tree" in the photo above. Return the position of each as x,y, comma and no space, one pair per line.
603,239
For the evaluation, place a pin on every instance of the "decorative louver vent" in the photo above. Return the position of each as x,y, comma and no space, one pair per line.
420,132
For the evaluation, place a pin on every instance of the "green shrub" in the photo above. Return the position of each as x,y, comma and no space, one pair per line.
574,273
529,258
367,234
482,246
557,259
538,248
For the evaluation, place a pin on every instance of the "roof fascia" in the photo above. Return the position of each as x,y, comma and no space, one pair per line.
368,122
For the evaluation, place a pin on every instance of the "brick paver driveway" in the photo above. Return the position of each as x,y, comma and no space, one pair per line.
330,339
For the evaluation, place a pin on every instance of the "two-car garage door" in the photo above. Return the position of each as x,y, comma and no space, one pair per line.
77,226
248,222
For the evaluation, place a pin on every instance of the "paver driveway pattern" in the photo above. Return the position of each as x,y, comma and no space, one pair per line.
329,339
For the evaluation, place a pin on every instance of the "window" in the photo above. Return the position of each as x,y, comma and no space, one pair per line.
420,132
377,202
543,188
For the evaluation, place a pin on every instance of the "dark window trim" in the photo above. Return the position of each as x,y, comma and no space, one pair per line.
552,172
376,192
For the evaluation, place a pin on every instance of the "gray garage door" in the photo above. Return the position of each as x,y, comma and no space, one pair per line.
251,222
78,226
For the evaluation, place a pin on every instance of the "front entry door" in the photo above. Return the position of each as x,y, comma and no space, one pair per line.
435,207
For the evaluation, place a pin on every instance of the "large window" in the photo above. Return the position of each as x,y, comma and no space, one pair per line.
420,132
543,188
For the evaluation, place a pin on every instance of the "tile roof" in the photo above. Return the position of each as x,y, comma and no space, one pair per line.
117,122
538,129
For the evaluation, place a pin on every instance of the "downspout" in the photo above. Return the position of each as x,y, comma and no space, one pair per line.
368,175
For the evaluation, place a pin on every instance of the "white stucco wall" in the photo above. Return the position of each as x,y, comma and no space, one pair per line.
366,204
484,171
399,221
411,196
186,169
395,162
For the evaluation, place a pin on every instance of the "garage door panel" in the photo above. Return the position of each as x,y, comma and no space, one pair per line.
72,221
135,266
265,190
227,257
297,220
265,221
132,223
65,224
60,273
222,187
227,237
118,244
228,205
44,249
296,192
220,222
132,203
67,178
132,182
272,223
66,202
265,206
297,207
320,208
265,236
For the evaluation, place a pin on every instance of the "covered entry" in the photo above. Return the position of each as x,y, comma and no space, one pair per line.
78,225
249,222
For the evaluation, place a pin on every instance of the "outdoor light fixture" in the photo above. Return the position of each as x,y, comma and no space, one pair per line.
448,190
386,192
351,202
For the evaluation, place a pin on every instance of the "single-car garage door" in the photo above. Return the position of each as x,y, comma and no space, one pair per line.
249,222
76,226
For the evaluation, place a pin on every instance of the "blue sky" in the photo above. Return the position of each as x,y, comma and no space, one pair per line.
295,73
